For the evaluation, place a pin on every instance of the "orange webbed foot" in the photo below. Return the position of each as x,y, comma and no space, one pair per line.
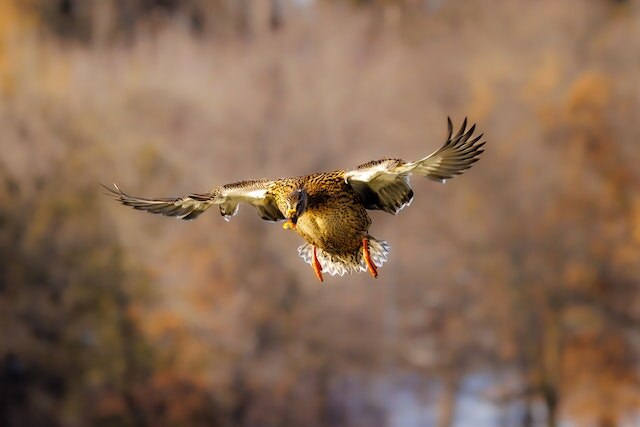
367,258
317,268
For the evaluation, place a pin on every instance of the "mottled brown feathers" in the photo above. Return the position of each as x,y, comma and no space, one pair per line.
387,162
247,184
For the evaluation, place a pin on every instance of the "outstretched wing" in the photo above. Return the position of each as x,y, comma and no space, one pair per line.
228,197
256,193
384,184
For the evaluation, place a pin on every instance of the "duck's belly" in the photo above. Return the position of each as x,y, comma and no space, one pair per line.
337,231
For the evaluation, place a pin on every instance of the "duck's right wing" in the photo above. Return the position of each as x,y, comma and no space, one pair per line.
228,197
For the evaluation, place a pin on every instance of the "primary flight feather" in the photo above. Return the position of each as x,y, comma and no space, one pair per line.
329,209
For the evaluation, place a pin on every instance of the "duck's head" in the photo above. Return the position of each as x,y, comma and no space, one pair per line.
296,205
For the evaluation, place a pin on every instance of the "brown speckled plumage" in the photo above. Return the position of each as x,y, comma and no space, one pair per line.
329,210
335,219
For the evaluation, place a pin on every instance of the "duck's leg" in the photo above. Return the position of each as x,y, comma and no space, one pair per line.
367,258
317,268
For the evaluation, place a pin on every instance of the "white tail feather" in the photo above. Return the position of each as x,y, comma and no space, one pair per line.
335,264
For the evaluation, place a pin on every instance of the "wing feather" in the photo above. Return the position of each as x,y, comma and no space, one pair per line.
384,184
457,154
228,197
256,193
188,207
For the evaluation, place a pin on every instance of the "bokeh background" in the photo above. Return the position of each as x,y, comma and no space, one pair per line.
512,294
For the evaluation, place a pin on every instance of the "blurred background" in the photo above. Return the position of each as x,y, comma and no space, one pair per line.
512,293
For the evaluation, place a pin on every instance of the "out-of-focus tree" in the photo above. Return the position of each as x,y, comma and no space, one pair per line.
97,21
65,298
567,274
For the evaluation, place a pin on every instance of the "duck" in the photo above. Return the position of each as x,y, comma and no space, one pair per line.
329,210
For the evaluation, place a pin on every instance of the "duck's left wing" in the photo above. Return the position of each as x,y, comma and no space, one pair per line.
228,197
384,184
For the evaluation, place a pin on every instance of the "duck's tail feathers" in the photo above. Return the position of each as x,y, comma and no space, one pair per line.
349,263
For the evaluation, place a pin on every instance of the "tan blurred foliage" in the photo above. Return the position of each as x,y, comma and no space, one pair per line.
521,276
